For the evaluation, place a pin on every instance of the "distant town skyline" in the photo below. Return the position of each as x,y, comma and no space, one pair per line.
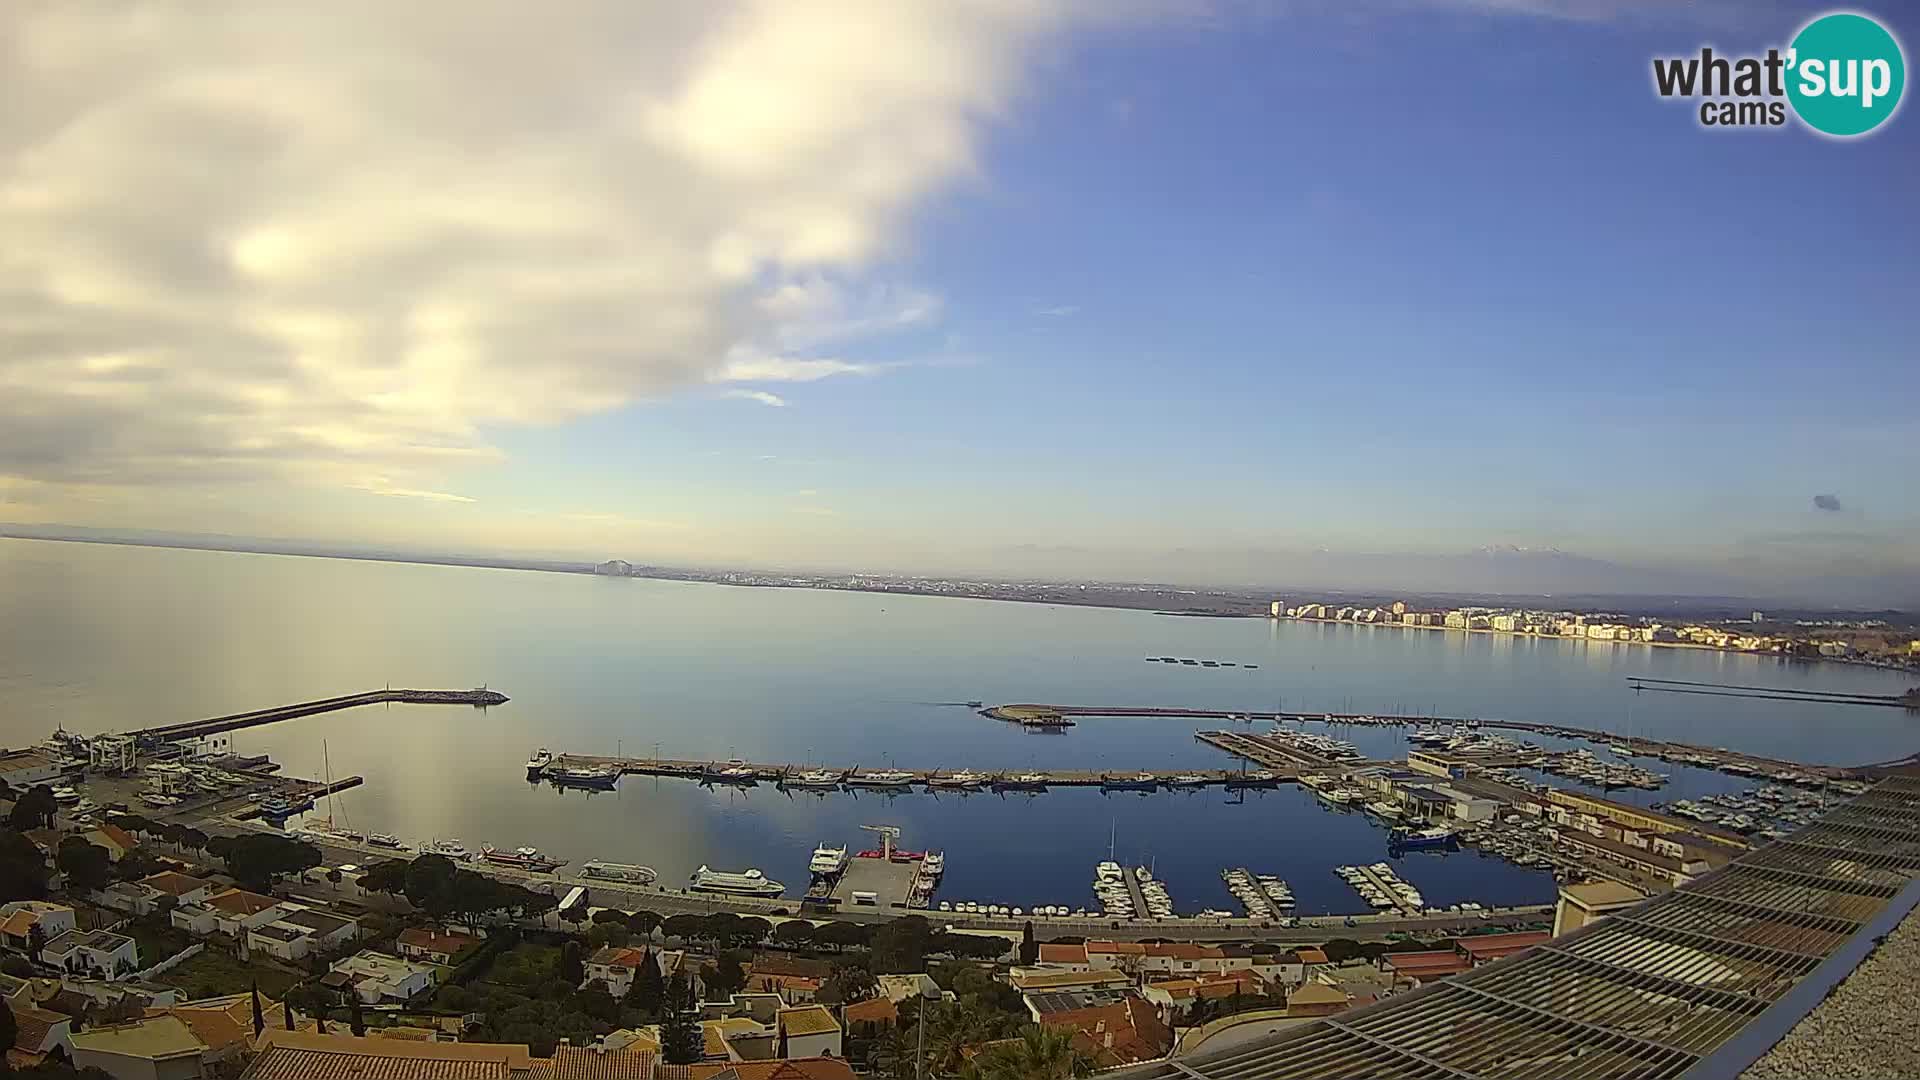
1148,291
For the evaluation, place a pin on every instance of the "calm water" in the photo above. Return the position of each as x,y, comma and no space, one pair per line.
100,638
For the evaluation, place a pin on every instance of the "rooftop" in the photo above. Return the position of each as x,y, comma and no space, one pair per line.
587,1063
808,1020
174,883
239,903
1708,975
154,1038
1063,954
291,1055
1602,893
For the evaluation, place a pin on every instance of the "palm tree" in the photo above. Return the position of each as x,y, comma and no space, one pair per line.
950,1030
1041,1054
892,1055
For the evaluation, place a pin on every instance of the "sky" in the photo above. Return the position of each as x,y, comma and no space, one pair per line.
1158,288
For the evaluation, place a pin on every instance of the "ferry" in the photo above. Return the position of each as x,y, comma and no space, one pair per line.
885,778
965,779
625,873
1026,781
744,883
1414,839
525,858
385,840
828,860
584,777
814,778
1145,781
538,762
452,849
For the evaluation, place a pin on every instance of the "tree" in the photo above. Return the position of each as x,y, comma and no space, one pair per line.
572,970
1041,1054
596,1002
681,1041
356,1020
794,933
334,876
87,866
892,1055
901,946
259,1019
387,877
23,869
286,1015
728,976
605,934
684,927
1029,948
34,810
841,936
609,915
9,1028
648,987
257,860
848,984
643,923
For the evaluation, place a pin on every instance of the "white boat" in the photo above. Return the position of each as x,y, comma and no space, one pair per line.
66,795
934,864
965,778
828,860
452,849
1107,871
525,858
385,840
884,778
815,778
743,883
627,873
538,762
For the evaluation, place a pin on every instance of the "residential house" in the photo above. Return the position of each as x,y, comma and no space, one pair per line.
1315,998
809,1031
237,911
1126,1032
224,1025
115,839
37,1033
184,888
869,1018
110,955
154,1048
297,1055
593,1063
432,945
792,989
617,967
301,931
375,977
739,1038
818,1068
19,920
128,896
898,988
1070,957
1172,996
196,919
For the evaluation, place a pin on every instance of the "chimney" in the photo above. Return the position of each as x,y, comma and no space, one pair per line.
1109,1040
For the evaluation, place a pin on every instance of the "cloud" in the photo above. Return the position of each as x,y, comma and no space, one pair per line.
1826,502
319,242
1059,312
760,396
380,485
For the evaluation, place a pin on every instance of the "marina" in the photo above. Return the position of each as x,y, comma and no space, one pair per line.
1381,888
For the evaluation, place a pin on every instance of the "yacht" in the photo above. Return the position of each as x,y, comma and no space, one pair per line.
66,795
934,864
828,860
538,762
384,840
884,778
1259,778
1435,837
1108,871
525,858
814,778
626,873
743,883
452,849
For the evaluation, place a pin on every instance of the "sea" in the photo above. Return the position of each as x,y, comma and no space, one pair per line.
98,638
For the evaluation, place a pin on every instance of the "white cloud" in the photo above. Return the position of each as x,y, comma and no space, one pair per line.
1059,312
380,485
320,242
760,396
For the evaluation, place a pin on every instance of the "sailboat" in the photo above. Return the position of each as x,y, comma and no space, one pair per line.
327,829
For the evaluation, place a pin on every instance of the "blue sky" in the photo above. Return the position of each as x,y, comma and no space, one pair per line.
1383,278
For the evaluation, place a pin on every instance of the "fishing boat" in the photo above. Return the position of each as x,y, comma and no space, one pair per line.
743,883
279,806
625,873
452,849
735,773
1029,781
884,778
1416,839
584,776
385,840
524,858
965,779
814,778
537,762
1186,780
1144,781
1260,778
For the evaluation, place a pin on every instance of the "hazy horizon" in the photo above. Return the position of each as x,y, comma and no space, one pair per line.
1209,293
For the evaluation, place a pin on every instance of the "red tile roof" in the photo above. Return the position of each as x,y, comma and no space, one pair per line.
879,1010
586,1063
1429,964
240,902
32,1025
1310,955
1487,947
1123,1033
1063,954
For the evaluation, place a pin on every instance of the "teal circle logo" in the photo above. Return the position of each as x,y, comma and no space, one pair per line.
1845,74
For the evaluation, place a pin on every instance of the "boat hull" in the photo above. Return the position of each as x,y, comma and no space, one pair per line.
592,783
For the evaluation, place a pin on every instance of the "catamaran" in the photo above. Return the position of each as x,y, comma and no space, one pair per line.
626,873
743,883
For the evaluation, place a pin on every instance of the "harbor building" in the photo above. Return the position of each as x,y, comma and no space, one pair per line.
1591,901
1643,820
22,769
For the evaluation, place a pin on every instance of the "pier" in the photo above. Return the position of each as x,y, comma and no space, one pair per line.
194,729
787,775
1373,877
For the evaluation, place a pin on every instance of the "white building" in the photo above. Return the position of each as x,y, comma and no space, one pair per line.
300,932
375,977
237,911
19,919
22,769
809,1031
111,955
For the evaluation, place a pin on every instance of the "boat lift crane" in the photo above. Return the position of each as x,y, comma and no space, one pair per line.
888,834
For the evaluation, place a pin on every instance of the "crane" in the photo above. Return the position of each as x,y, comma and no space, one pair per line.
888,834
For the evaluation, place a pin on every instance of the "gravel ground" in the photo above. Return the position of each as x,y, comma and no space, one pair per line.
1868,1026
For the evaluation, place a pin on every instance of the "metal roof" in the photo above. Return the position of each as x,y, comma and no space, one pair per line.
1696,982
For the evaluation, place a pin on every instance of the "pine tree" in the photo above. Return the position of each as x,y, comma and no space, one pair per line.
286,1013
355,1020
648,986
681,1041
259,1018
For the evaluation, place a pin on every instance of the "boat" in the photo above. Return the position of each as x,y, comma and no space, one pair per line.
1384,810
525,858
1144,781
277,806
452,849
1187,780
814,778
626,873
579,776
1260,778
934,864
965,779
743,883
737,773
1031,781
828,860
66,795
1414,839
538,762
384,840
885,778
